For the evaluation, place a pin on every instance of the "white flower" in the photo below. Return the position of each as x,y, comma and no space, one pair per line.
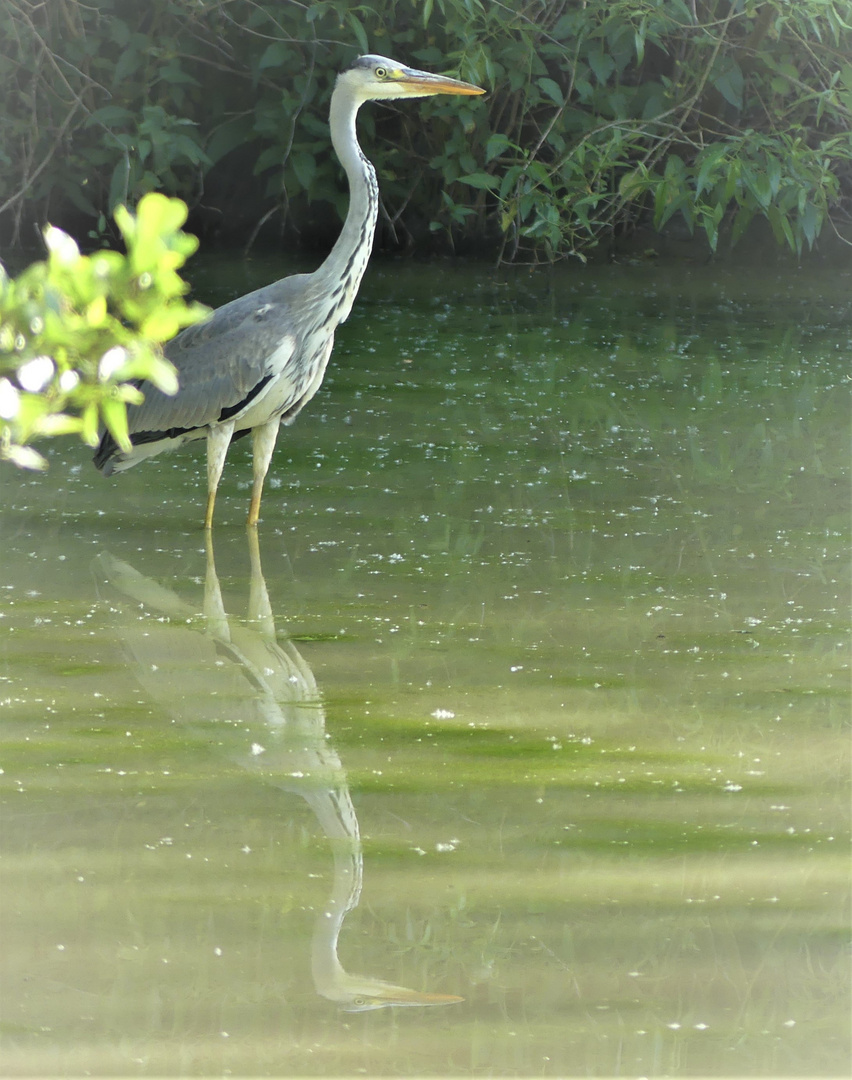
10,400
68,380
35,374
111,361
61,245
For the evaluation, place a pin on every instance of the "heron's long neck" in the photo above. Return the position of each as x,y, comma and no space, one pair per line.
341,273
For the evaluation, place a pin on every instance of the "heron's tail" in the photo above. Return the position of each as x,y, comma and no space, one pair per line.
105,453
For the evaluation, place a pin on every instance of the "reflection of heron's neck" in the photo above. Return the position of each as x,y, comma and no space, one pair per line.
336,815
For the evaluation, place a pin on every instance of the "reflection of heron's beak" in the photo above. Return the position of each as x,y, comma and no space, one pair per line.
379,995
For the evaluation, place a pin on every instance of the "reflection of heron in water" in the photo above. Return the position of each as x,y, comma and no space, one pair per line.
264,702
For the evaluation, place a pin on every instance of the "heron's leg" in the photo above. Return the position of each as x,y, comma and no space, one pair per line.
263,439
218,441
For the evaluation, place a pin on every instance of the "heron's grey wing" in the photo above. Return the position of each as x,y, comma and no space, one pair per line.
224,361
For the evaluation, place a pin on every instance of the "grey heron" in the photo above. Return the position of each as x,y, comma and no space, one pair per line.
255,362
250,694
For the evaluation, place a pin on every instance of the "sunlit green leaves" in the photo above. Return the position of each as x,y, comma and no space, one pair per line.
715,126
76,331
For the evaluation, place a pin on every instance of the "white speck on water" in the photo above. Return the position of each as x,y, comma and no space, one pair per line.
443,714
257,749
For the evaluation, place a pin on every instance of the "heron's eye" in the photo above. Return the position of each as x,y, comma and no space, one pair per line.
381,73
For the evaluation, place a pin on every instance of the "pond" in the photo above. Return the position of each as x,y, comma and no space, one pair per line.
518,744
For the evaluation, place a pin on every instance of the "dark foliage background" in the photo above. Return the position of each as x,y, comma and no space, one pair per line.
600,116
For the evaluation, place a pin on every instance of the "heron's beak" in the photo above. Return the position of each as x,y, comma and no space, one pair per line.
423,84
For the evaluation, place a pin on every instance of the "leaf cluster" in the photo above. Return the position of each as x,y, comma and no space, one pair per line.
618,112
77,332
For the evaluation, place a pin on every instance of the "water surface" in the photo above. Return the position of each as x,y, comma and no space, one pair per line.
534,694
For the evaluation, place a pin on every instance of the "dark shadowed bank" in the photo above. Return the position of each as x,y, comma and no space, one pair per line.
698,116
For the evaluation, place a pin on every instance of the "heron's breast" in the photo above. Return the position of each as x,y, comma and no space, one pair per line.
297,371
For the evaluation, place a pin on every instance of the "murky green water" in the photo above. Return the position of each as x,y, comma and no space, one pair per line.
549,645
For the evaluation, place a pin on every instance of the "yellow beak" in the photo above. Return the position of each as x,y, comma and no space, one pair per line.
423,84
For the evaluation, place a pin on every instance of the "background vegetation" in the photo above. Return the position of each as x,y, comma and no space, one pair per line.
601,115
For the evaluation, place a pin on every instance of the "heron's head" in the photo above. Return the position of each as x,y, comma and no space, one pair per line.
377,78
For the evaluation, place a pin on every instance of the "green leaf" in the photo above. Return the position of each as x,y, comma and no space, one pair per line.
730,84
120,182
496,145
810,222
227,137
114,415
639,40
24,457
757,182
601,63
781,228
267,159
742,220
305,167
90,424
359,31
711,230
480,180
710,161
111,116
276,54
552,90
